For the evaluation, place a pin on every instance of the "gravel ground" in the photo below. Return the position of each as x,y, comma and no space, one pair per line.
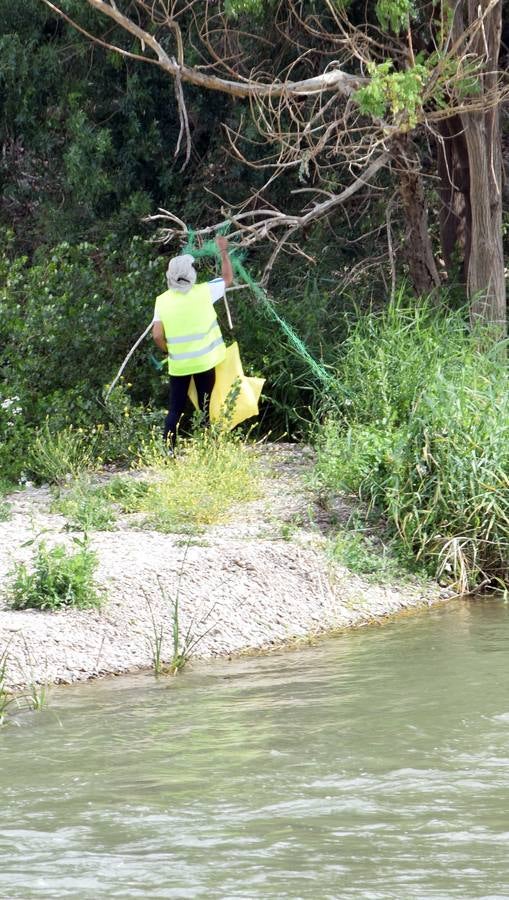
256,582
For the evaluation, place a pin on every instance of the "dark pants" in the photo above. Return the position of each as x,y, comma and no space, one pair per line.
179,385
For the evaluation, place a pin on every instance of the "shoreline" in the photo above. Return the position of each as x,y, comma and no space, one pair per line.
251,585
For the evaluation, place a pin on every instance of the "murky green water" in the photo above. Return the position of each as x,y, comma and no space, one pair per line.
375,765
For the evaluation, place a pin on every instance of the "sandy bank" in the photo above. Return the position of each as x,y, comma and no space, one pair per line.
258,581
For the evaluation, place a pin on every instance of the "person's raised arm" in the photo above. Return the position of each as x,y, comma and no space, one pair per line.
226,266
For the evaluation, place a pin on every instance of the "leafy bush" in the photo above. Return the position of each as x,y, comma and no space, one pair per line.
67,321
60,578
424,438
128,427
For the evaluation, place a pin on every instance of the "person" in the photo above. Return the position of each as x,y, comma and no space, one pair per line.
185,327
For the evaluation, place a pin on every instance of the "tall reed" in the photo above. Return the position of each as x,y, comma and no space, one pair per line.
424,438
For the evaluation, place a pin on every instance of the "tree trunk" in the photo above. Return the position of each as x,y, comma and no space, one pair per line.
486,277
455,214
481,217
418,249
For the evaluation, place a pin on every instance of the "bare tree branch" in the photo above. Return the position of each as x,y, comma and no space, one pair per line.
334,80
256,225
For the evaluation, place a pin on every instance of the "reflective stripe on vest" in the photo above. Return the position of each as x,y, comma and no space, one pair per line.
194,354
183,339
194,340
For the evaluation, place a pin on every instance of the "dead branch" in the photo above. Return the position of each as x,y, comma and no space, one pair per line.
254,225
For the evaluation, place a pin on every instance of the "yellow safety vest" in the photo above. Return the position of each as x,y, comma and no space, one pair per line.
191,329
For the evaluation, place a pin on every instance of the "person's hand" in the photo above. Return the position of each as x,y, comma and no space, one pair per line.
222,242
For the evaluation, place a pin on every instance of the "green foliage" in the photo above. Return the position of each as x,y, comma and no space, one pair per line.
398,93
59,456
85,507
80,304
425,439
59,578
366,554
89,507
197,488
394,15
128,492
65,324
291,386
128,427
14,436
87,136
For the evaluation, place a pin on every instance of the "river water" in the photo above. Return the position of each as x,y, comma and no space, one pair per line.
373,765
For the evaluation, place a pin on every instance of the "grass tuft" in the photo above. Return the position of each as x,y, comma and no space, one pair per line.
125,491
199,487
5,696
85,507
61,456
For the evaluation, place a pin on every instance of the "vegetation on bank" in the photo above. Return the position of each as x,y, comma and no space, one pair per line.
197,488
67,321
422,437
57,578
211,472
418,426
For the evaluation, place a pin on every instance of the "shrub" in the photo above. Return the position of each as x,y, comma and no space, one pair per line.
126,427
60,578
15,436
424,438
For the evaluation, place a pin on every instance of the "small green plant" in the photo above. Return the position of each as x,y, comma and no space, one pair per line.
368,556
127,426
60,456
5,510
5,697
183,644
37,696
129,493
157,641
399,93
210,474
59,578
86,508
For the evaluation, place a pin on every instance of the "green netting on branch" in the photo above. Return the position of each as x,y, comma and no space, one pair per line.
209,249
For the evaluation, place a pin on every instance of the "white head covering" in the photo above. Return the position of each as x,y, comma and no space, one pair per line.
181,274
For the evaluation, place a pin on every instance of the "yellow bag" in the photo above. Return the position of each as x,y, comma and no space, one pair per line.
227,372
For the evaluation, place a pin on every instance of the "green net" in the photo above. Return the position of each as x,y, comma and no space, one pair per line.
209,249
